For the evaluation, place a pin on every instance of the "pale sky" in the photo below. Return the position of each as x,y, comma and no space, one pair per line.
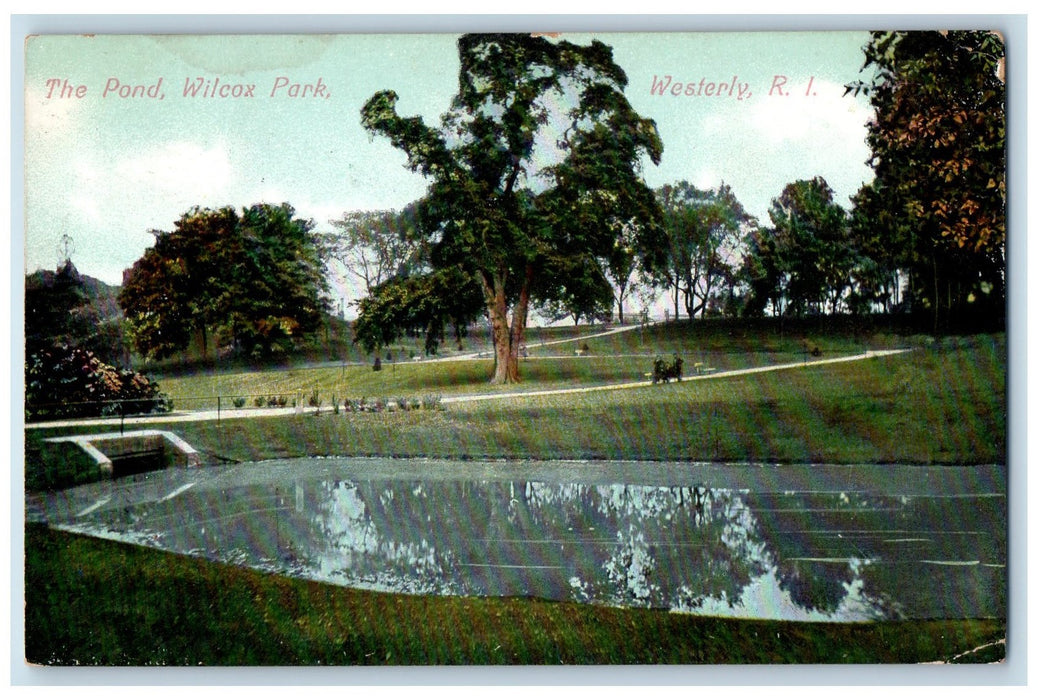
106,169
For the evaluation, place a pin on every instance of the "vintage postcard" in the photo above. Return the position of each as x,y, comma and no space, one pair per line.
516,349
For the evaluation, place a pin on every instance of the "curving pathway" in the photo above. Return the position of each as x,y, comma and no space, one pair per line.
260,413
712,375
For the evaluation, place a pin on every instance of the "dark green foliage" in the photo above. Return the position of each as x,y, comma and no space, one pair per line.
804,262
73,349
56,310
418,305
67,308
882,247
584,292
252,282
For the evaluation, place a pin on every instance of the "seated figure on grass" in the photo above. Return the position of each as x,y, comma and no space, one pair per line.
664,372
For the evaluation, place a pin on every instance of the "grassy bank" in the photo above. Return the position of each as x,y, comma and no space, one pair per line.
616,358
86,605
942,404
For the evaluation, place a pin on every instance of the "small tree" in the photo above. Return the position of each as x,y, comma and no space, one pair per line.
374,246
584,292
813,248
703,248
418,305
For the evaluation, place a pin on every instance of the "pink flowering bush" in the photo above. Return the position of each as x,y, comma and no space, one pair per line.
70,382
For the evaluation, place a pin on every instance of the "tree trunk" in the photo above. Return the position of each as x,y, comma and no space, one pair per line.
508,338
205,343
936,300
518,335
621,291
498,312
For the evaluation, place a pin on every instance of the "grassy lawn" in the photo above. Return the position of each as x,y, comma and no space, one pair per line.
933,405
617,358
86,605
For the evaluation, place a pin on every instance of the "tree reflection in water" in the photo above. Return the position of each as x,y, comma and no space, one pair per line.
684,548
935,552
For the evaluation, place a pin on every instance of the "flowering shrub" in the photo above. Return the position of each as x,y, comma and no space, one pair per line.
70,382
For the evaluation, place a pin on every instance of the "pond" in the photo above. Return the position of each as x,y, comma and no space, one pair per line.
761,541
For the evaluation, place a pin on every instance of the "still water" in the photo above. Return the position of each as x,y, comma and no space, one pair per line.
793,543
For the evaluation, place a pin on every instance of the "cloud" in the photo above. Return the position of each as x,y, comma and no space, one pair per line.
183,169
108,204
801,118
760,145
50,118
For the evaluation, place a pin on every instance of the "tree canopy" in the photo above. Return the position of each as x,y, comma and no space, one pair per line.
804,262
252,281
535,165
939,151
374,246
57,311
704,233
417,305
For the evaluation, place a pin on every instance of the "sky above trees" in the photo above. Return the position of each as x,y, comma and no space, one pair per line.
106,169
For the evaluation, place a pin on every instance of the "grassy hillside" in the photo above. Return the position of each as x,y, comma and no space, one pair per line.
940,404
552,362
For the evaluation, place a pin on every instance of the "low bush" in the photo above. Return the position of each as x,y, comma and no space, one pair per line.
70,382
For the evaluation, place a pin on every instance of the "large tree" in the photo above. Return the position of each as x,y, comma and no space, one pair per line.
535,165
254,281
939,151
